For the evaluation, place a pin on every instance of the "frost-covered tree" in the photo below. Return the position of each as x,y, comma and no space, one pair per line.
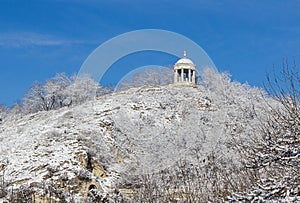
16,110
147,77
36,99
81,89
275,156
48,96
57,87
3,112
60,91
185,182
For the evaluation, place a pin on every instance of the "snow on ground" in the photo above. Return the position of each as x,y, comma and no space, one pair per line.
140,130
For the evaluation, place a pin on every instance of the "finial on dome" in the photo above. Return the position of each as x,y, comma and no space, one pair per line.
184,53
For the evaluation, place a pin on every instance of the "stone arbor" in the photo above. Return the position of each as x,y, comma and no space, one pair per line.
185,71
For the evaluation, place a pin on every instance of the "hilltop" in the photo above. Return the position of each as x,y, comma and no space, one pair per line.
65,154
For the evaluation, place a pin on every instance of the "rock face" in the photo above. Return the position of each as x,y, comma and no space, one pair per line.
75,153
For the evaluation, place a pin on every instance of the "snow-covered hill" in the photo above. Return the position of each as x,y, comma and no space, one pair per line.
65,153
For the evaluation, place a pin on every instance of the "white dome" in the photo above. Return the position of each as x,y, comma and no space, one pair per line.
185,60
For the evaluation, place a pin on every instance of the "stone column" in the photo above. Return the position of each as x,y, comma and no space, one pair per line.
190,77
194,77
182,73
175,76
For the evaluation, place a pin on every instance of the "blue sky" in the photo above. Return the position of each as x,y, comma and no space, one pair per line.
39,38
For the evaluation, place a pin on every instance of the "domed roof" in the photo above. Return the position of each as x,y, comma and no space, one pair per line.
184,60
